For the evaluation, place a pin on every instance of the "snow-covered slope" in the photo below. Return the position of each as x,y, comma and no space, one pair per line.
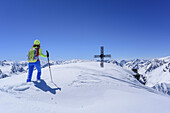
158,74
139,64
157,71
8,68
85,88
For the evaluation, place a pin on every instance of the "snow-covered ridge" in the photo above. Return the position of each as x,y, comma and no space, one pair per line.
85,88
156,71
144,66
9,68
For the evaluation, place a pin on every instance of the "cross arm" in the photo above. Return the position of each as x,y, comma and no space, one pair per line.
107,55
96,56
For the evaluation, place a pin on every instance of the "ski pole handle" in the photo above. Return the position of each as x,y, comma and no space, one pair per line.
47,53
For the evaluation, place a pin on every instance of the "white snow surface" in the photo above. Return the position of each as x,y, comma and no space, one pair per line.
85,88
159,75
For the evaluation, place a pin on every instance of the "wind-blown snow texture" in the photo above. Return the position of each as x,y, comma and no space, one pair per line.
85,88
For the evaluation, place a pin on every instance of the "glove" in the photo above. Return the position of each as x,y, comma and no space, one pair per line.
47,53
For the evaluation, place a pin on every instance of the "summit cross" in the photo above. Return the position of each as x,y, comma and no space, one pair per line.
102,56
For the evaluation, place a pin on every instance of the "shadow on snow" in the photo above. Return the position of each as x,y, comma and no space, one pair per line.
44,87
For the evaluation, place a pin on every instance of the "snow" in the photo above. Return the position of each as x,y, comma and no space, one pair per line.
85,88
156,71
166,59
158,76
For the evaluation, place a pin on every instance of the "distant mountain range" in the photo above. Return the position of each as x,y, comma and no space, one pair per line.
9,68
157,71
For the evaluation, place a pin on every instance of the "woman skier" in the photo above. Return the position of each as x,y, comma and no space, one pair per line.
33,59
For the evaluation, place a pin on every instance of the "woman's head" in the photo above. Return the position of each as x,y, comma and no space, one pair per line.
36,42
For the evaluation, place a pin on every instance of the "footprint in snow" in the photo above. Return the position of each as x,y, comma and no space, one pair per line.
21,87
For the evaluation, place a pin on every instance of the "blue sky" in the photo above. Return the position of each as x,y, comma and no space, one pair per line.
72,29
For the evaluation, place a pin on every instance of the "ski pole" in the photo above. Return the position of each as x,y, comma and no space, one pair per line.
49,65
50,70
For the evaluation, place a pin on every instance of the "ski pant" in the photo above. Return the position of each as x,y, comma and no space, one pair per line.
31,68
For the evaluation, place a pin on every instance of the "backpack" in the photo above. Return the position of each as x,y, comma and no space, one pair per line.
32,55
